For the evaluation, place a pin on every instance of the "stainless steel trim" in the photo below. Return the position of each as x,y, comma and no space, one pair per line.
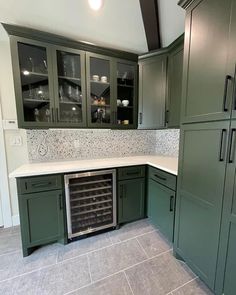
67,192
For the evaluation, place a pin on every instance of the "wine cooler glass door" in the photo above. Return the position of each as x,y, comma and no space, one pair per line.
90,201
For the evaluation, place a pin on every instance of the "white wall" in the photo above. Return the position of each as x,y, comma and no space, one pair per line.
119,24
16,156
172,19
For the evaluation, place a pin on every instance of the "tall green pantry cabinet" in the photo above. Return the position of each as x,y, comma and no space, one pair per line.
205,234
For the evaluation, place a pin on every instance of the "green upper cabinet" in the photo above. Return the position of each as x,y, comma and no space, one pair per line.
33,79
59,83
208,72
200,193
100,90
152,92
111,92
126,96
175,74
69,85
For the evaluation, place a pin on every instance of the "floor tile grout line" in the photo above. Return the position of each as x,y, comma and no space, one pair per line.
120,271
61,262
127,279
192,280
142,248
12,252
89,269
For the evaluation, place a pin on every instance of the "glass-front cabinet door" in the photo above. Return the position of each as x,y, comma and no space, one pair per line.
125,94
33,83
69,77
99,91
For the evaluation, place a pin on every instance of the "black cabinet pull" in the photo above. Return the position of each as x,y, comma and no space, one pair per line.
167,117
234,94
160,177
222,145
140,118
227,79
132,173
60,202
171,203
121,191
232,144
41,184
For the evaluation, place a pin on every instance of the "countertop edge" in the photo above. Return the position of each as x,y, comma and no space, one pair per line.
16,174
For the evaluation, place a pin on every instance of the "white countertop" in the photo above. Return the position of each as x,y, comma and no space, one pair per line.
168,164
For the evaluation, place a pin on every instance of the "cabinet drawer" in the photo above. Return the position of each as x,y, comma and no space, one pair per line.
131,172
162,177
28,185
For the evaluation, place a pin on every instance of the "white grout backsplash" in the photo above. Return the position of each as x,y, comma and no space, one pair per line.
64,144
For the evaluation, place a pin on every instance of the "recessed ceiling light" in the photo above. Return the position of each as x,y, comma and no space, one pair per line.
95,4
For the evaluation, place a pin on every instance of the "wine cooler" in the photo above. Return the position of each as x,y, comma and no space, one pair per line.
90,201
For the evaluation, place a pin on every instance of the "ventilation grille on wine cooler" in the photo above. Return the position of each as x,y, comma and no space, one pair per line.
91,202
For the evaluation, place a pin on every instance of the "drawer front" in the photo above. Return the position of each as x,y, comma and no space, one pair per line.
162,177
28,185
131,172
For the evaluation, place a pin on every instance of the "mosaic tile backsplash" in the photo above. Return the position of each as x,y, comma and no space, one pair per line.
52,145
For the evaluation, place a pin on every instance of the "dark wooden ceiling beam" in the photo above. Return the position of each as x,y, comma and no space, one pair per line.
149,9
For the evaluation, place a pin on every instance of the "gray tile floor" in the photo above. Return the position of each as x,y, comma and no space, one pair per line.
134,260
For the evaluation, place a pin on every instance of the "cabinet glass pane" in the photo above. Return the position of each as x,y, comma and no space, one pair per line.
34,83
100,91
69,87
125,94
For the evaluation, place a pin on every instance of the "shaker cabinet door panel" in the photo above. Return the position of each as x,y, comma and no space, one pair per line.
207,78
152,92
42,217
131,194
175,75
200,195
161,207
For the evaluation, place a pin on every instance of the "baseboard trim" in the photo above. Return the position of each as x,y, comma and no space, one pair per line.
15,220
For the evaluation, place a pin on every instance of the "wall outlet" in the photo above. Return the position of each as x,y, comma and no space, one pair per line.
16,140
10,124
77,144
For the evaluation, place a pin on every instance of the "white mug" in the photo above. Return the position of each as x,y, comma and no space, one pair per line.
125,102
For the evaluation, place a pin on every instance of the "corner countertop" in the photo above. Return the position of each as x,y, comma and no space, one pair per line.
168,164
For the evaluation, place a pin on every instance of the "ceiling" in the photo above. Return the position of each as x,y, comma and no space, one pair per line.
119,24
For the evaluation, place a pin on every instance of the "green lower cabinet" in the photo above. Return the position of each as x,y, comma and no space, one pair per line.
131,197
200,191
42,219
160,211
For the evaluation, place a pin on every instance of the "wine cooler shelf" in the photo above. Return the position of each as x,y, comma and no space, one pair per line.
90,201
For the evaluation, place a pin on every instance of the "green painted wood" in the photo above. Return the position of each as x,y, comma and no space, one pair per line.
161,208
26,185
200,193
206,63
167,179
152,92
42,219
175,74
131,172
131,196
226,267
